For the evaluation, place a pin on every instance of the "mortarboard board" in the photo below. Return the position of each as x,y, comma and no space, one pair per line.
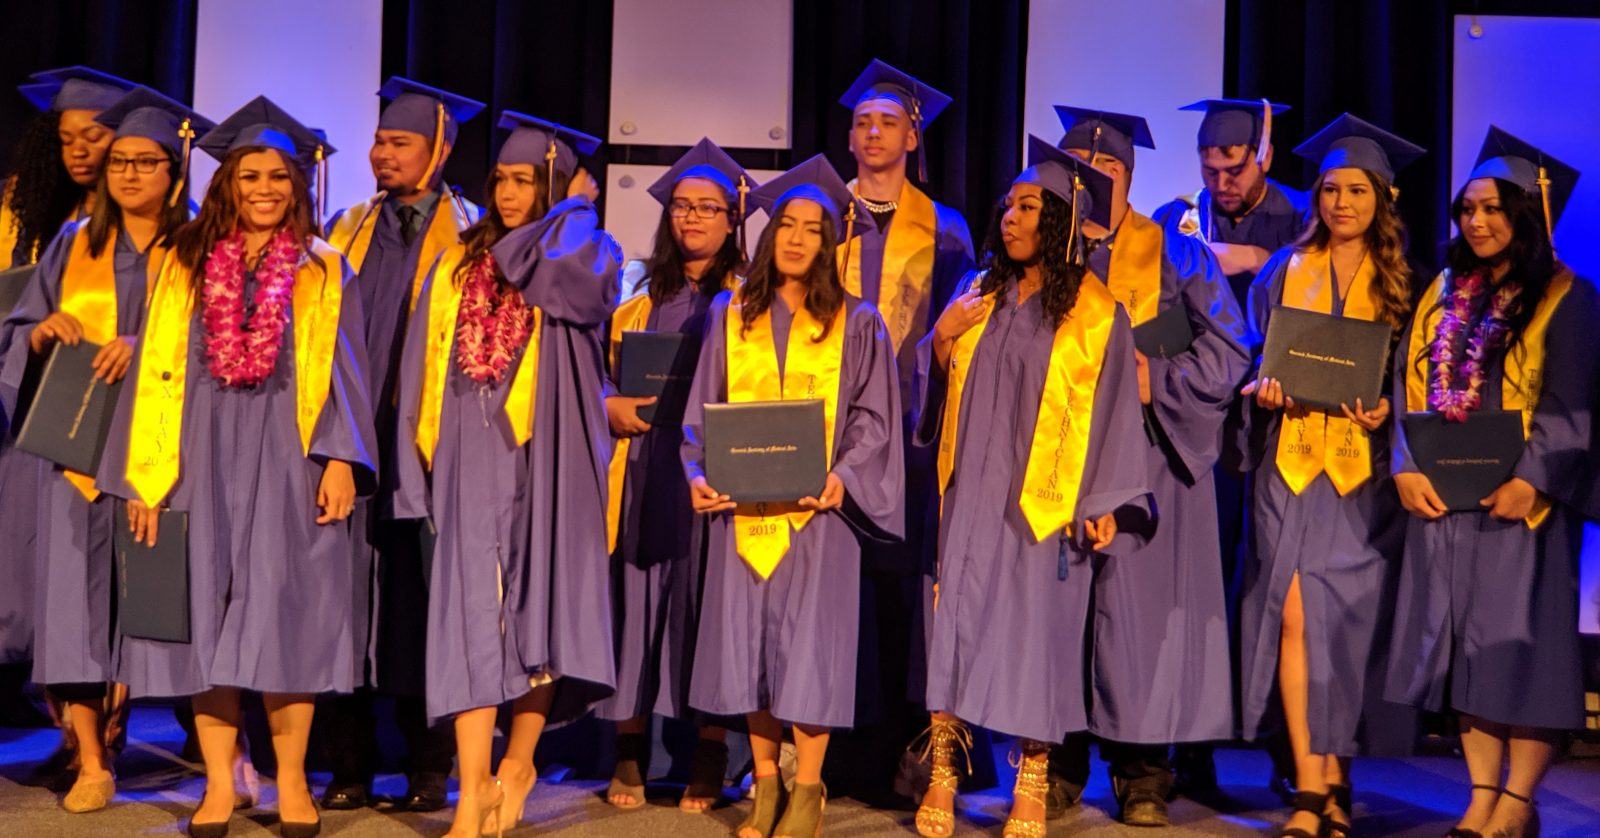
921,102
74,88
433,113
1510,158
262,124
1072,180
538,141
1104,131
143,112
1351,142
707,160
814,180
1231,122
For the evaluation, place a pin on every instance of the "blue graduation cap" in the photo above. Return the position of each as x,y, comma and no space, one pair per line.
424,110
74,88
1075,181
1510,158
143,112
705,160
1231,122
1104,131
1351,142
814,180
538,141
922,103
262,124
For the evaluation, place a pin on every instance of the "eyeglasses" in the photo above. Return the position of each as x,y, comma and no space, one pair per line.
142,165
681,209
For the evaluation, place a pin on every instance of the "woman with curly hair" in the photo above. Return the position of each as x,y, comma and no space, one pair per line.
244,417
1028,388
780,612
1327,524
503,447
1487,622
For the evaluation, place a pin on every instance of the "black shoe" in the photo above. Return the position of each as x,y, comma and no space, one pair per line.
341,796
292,829
425,793
1196,773
1060,796
1143,807
206,830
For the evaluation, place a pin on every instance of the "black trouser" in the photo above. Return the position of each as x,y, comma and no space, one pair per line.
353,743
1144,767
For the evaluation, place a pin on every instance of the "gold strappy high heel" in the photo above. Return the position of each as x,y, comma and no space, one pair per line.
1033,783
942,739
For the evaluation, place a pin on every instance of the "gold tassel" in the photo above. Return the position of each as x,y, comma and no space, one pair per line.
187,133
550,172
1077,186
322,184
922,140
744,191
438,148
849,228
1266,133
1544,195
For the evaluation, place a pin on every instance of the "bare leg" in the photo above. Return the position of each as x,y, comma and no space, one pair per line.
1027,798
84,717
474,749
1294,677
216,724
635,726
941,795
1483,743
516,772
709,735
1336,771
1531,750
766,740
289,718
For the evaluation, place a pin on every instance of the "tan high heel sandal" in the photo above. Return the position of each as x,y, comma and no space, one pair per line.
943,738
1033,783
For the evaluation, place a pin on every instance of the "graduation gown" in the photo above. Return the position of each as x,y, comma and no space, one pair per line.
1487,616
269,588
74,563
519,590
1162,670
390,593
1346,550
1274,223
656,567
1006,643
787,643
19,491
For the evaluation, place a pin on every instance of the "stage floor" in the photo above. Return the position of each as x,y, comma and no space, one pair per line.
157,788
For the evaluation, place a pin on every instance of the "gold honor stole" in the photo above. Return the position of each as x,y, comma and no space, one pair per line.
906,281
632,315
444,305
761,530
1054,473
157,424
1524,371
89,294
1135,280
352,235
1319,441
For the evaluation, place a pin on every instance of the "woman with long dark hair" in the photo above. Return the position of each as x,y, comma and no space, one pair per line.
779,614
655,567
1487,622
1028,389
91,286
1327,523
503,447
244,412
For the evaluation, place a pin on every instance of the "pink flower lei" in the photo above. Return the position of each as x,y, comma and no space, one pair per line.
240,354
1448,366
493,324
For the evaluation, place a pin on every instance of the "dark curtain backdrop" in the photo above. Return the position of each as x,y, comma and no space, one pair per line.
147,41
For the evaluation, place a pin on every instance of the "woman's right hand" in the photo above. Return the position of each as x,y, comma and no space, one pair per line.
1417,495
1269,394
142,522
958,318
623,414
59,326
583,183
707,500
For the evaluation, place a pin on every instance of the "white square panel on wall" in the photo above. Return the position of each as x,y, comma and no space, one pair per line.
632,215
1150,58
686,69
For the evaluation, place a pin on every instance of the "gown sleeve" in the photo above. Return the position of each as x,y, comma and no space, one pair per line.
564,263
710,386
1556,457
870,455
344,431
40,298
1116,471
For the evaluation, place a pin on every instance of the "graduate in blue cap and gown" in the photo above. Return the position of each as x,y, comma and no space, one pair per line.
51,180
1243,216
1487,623
653,532
503,448
1161,671
391,241
244,411
1028,388
778,622
91,286
1326,523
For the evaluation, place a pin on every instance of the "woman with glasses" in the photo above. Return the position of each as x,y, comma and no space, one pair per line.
90,288
653,531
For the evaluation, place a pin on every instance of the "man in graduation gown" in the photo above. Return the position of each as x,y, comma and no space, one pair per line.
1243,216
909,255
1160,672
391,241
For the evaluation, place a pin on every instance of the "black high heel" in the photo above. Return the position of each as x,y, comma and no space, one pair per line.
1458,832
1529,829
1341,796
205,830
1304,801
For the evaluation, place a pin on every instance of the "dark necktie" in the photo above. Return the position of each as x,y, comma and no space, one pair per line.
410,224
